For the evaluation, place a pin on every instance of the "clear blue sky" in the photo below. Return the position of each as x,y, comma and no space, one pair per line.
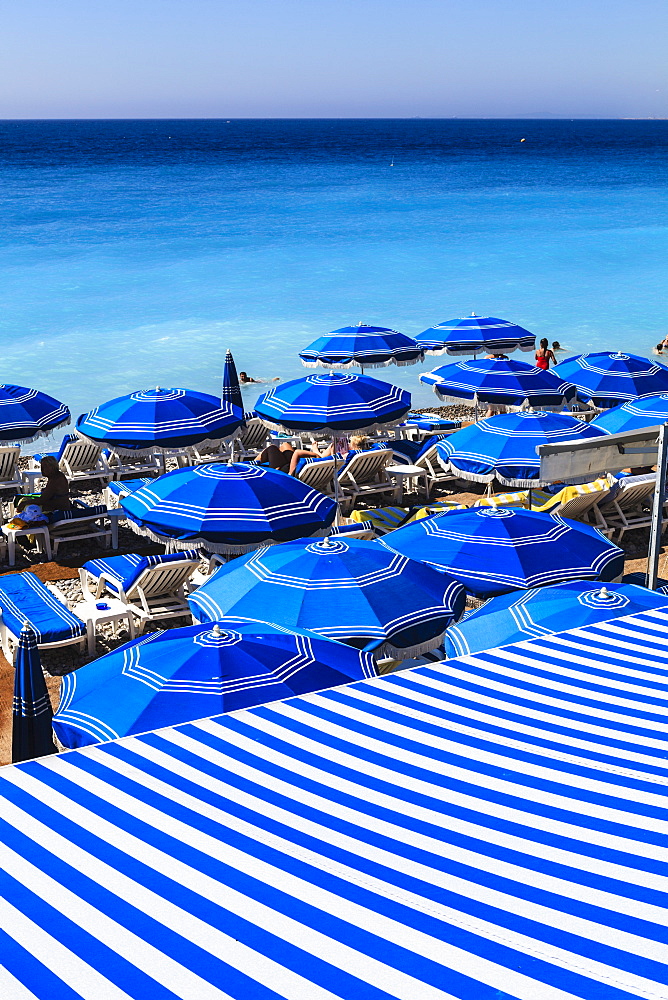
332,58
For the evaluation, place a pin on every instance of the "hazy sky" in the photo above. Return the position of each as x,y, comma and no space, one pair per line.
332,58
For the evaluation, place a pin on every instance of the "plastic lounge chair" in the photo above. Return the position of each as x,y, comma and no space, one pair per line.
436,475
629,505
319,475
252,438
10,477
122,466
24,598
82,522
365,474
119,488
79,459
581,507
216,451
155,586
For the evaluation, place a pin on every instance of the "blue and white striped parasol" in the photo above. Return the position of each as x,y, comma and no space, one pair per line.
634,415
26,414
366,346
160,418
504,447
545,610
355,591
175,676
231,391
31,712
494,550
333,403
475,335
499,381
608,378
230,508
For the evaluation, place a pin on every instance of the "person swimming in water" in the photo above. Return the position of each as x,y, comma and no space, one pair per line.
246,379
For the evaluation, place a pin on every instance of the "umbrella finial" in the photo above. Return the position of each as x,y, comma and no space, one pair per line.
216,630
604,593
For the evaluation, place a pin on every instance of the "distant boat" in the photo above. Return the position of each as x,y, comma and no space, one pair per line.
392,163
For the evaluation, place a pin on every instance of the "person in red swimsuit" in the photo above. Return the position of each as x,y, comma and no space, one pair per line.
544,355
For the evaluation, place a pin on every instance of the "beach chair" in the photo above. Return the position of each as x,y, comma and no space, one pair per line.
80,460
354,529
83,522
628,506
155,586
252,439
211,451
364,474
583,507
435,474
124,467
24,599
10,477
318,473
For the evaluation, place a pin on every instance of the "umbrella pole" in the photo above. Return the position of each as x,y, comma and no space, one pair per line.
336,484
530,497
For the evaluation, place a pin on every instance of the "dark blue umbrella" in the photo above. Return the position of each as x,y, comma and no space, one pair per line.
26,414
475,335
499,381
31,717
608,378
333,403
175,676
231,393
160,418
634,415
366,346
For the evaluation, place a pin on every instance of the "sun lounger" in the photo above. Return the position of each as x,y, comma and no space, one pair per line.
435,474
319,474
252,438
123,467
119,488
10,477
629,505
384,519
364,474
83,522
79,459
25,599
155,586
218,451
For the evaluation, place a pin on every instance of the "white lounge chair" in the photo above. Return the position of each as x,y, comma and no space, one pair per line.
435,473
212,451
80,523
155,586
629,506
319,475
583,507
252,438
10,477
364,474
122,467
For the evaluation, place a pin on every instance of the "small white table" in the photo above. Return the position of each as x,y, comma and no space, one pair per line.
41,533
116,613
404,474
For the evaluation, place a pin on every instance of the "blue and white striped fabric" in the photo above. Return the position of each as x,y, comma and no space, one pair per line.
608,378
32,714
352,590
123,571
488,828
475,335
363,345
26,414
499,381
231,390
333,403
495,550
123,487
160,418
228,507
24,600
504,447
634,415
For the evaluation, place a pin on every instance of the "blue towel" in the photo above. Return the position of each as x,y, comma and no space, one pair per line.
78,510
25,599
126,570
411,451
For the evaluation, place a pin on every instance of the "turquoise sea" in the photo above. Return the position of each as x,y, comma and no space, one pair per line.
134,253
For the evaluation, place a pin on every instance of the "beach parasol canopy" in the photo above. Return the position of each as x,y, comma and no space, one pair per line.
634,415
179,675
231,392
545,610
608,378
504,447
26,414
160,418
358,592
333,403
31,712
363,345
494,550
230,508
500,381
475,335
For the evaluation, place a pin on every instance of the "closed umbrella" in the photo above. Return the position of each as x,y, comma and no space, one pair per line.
634,415
26,414
493,550
179,675
545,610
230,508
504,447
363,345
475,335
607,378
507,382
358,592
231,392
160,418
31,713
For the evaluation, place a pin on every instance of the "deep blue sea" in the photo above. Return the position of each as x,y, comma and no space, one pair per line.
135,252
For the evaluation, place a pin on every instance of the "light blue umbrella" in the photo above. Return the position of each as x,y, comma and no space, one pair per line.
355,591
229,508
634,415
507,382
179,675
493,550
231,392
475,335
504,447
26,414
333,403
545,610
608,378
31,713
160,418
363,345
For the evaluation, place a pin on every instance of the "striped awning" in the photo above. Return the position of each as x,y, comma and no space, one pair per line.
485,828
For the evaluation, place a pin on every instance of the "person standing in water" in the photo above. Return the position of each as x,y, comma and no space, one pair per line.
544,355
